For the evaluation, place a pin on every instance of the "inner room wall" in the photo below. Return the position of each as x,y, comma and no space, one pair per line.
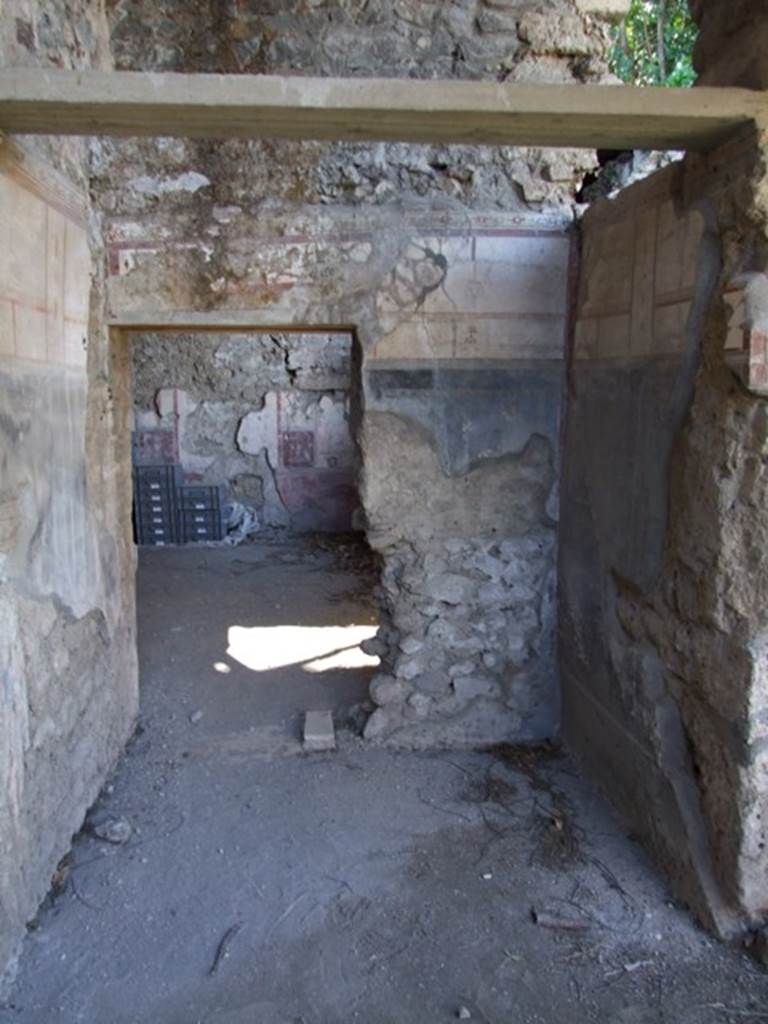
266,416
453,266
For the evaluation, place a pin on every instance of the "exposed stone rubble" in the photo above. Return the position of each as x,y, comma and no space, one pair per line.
467,598
468,620
237,365
233,179
395,38
68,34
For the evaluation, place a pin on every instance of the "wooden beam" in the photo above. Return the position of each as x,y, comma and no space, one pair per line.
127,103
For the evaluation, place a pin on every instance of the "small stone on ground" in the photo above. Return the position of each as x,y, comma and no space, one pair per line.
114,830
319,733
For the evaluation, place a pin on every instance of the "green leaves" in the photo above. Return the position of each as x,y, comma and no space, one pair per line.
654,45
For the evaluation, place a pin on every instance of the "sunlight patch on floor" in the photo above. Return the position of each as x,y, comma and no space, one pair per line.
316,648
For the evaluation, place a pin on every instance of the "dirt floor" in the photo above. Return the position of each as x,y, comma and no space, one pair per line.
246,639
261,885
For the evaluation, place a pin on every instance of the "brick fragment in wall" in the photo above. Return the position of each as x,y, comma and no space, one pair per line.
746,345
564,36
611,10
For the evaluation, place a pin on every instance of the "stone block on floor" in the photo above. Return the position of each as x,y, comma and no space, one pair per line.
318,731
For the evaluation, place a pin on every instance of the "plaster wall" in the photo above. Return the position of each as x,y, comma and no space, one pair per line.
662,520
452,263
68,659
68,697
452,266
374,238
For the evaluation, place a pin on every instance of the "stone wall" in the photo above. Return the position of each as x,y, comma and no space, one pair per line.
452,266
521,39
67,657
502,40
662,523
267,416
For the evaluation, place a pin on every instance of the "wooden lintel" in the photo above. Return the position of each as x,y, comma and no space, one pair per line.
127,103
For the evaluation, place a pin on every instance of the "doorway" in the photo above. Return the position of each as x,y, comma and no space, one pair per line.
255,583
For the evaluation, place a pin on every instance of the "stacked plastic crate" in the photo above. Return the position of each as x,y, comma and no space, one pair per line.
199,514
168,512
154,491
